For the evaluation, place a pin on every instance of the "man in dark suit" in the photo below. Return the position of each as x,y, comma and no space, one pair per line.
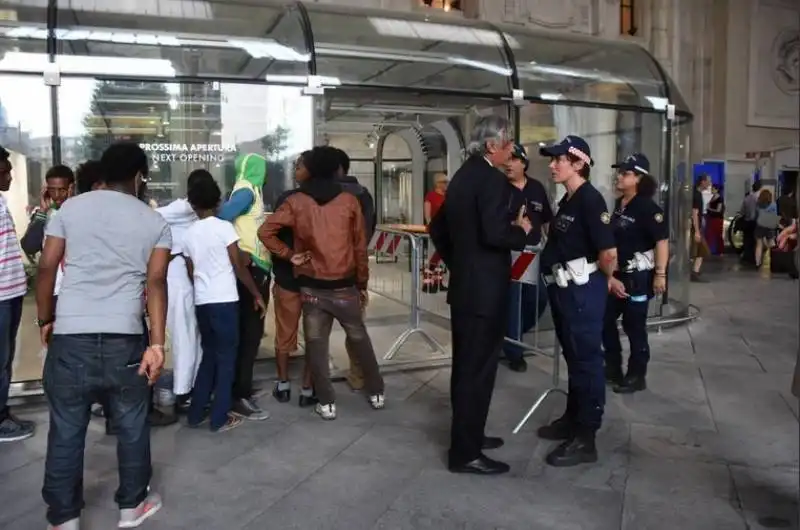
473,235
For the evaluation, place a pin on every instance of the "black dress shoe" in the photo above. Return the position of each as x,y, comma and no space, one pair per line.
614,376
518,365
561,429
492,442
282,395
631,384
578,450
481,466
307,401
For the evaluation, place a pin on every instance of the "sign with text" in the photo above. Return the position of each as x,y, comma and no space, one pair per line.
189,152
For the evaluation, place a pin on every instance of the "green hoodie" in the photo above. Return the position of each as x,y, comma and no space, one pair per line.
251,173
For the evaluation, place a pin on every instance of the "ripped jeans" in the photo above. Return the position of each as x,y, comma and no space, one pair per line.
320,308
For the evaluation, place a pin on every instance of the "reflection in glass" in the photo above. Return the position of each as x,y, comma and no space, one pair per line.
187,126
408,50
26,133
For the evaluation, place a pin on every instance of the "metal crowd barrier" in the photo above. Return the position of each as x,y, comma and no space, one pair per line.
401,280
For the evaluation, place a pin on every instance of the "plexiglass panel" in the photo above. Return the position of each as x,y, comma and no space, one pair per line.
580,68
185,126
382,48
15,43
26,132
197,39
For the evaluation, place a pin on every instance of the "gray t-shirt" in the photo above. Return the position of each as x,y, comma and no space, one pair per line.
109,239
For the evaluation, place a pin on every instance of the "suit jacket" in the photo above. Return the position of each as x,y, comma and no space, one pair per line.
473,235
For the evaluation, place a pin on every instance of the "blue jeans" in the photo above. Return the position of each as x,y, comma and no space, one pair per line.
219,338
10,316
578,312
526,303
80,370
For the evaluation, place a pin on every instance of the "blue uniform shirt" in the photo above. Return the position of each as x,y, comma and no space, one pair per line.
638,226
581,228
534,197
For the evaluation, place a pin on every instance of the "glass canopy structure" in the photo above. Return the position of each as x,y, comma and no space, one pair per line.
195,81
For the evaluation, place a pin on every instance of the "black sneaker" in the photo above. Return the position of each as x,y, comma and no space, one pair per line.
696,278
11,431
248,409
307,401
614,376
282,395
23,423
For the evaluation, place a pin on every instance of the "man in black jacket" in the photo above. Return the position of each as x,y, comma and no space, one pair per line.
474,236
350,184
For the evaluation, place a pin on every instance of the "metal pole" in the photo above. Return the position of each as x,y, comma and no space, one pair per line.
544,395
416,267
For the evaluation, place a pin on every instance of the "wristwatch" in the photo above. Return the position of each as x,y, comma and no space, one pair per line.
42,323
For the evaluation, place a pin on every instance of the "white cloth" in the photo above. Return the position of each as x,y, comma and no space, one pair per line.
183,334
60,269
206,243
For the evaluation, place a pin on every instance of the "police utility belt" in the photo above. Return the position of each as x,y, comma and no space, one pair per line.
576,271
642,261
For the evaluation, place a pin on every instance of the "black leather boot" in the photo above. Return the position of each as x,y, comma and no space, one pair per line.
578,450
561,429
633,382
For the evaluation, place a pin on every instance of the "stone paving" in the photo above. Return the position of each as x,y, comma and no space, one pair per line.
713,444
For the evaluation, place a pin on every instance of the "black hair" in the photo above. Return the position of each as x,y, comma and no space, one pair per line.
344,160
585,171
204,194
88,175
196,176
702,177
323,162
60,171
4,155
647,186
122,161
756,186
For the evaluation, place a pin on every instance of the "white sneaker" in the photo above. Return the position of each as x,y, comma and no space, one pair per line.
377,401
72,524
133,517
327,412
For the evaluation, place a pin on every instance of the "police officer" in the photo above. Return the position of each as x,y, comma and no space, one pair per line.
578,259
642,240
526,302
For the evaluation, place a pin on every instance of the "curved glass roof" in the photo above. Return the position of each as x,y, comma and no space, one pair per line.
262,41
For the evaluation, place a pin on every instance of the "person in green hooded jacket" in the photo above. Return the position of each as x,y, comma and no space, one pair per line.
245,209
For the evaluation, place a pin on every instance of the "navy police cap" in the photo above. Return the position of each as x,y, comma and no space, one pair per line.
573,145
520,153
637,162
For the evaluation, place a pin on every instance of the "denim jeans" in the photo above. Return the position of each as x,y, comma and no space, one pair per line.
10,316
526,303
219,338
80,370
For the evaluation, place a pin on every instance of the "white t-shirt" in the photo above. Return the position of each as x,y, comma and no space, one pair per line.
206,243
60,270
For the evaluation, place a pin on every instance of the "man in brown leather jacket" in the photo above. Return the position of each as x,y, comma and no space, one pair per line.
331,265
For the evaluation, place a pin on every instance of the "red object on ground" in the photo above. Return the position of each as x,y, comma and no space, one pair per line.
714,230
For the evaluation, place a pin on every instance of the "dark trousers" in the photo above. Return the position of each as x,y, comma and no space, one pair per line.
634,323
10,316
251,331
578,312
749,242
320,308
526,303
219,338
80,370
477,341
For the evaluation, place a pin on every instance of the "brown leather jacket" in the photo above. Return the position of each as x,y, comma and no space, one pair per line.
326,222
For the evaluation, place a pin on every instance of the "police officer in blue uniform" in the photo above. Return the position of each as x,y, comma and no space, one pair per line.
577,262
642,237
526,302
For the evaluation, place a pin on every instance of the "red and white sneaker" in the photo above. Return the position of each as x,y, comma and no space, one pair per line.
133,517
